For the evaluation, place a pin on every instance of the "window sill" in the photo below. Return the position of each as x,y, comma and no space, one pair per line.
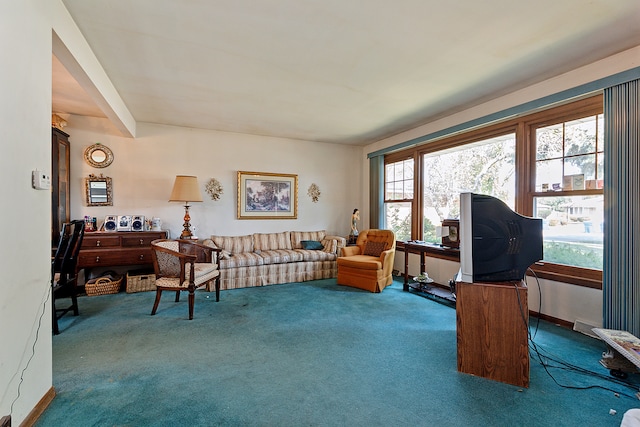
567,274
586,277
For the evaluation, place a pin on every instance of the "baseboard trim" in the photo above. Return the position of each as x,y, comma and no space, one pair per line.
39,409
555,320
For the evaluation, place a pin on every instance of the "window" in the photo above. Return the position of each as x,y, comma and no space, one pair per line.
548,164
568,196
486,166
398,197
569,155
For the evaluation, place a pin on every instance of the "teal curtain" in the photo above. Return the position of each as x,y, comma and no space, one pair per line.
376,192
621,269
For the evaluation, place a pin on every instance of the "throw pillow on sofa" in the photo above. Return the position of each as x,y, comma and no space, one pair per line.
312,245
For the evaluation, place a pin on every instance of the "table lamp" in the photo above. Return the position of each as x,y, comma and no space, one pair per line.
186,189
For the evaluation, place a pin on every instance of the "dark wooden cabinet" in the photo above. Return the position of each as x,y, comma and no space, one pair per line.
492,331
109,249
60,174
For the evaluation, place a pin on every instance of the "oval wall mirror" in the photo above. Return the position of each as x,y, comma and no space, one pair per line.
98,155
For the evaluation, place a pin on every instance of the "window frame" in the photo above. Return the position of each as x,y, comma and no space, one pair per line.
523,127
588,277
395,158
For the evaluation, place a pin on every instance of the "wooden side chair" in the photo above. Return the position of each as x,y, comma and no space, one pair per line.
183,265
63,270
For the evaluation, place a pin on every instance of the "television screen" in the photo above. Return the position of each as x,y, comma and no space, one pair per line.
496,243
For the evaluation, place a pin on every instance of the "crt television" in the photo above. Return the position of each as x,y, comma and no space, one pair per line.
496,243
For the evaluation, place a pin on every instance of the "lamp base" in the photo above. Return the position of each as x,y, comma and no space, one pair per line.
186,232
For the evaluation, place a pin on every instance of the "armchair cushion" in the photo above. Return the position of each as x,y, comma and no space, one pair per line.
363,262
374,248
203,273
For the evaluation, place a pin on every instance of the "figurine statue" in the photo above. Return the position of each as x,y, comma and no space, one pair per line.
355,217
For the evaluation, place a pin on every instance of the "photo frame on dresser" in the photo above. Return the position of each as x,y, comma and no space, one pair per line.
264,195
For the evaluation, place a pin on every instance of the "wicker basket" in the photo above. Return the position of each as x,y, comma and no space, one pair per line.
102,286
140,281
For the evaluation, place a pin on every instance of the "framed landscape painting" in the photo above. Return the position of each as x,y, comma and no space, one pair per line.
263,195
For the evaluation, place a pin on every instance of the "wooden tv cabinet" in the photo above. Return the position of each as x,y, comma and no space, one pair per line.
492,331
115,248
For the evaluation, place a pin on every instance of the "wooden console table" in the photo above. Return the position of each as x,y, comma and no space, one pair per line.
492,331
108,249
422,249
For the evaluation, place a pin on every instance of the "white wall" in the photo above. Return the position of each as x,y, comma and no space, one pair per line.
25,114
144,169
559,300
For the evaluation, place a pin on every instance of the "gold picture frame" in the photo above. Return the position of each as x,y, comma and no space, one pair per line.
98,190
264,195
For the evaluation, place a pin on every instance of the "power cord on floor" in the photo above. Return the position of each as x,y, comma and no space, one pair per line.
47,296
544,357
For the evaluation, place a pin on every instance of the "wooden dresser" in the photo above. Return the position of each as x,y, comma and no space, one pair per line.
109,249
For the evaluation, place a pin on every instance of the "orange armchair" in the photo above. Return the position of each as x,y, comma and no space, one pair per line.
368,265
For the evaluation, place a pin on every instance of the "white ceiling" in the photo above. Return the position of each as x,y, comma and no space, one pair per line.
343,71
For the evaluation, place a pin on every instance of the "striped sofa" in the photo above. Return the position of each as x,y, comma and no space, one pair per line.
261,259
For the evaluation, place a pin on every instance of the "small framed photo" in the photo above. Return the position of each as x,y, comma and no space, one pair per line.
263,195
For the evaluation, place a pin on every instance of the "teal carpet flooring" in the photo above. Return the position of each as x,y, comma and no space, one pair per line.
310,354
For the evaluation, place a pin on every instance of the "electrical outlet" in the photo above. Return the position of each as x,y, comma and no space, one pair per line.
5,421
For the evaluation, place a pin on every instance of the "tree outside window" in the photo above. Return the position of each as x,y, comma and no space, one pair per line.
485,167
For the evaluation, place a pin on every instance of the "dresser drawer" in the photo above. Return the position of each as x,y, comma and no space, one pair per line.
137,241
98,258
102,241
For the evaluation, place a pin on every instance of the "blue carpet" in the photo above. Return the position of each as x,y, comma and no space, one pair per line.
307,354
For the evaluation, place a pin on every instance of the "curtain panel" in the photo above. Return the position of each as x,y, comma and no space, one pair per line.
621,269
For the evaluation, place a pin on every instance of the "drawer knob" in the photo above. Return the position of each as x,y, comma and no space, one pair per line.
97,242
141,242
141,257
97,259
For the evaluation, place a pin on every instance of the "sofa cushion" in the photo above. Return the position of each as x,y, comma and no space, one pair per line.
243,259
271,241
298,236
234,244
280,256
311,255
312,245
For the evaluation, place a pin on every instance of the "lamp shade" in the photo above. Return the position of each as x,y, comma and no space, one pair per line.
186,189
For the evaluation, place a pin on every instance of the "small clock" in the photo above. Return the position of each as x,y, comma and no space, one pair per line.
452,239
